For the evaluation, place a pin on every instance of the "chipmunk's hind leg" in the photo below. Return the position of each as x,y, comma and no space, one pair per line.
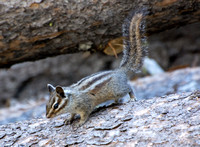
132,95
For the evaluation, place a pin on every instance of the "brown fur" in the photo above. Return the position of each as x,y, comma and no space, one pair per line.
99,87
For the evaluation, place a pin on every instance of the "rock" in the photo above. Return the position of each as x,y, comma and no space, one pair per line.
162,121
185,80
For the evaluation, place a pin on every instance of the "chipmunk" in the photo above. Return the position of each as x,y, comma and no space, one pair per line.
82,97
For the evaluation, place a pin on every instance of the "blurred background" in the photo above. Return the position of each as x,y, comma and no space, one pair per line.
23,86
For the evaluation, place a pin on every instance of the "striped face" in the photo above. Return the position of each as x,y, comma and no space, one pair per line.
57,101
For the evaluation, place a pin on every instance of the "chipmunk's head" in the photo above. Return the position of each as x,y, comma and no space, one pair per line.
58,100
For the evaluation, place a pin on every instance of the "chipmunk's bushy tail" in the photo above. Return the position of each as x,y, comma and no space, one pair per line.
135,43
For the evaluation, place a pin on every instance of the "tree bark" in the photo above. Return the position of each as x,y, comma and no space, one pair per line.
35,29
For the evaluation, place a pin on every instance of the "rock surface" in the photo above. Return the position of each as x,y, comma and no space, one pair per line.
160,121
170,120
185,80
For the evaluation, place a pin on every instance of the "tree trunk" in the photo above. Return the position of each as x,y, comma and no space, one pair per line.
35,29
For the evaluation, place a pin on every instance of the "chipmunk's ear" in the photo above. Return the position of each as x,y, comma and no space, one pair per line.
50,88
60,91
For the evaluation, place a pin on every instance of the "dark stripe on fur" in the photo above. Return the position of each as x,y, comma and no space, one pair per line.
64,105
99,86
53,100
93,81
84,79
59,99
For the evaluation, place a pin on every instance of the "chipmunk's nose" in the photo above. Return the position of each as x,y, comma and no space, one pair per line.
48,115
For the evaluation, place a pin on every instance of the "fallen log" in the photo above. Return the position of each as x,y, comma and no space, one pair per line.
36,29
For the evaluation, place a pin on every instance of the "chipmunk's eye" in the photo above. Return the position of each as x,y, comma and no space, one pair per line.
55,106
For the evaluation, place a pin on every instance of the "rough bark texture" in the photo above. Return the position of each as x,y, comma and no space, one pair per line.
171,120
35,29
168,121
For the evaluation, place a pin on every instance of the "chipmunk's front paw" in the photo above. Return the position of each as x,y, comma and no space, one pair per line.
133,99
79,124
68,121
